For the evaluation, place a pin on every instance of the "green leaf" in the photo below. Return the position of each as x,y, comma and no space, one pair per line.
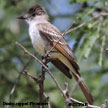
101,50
81,1
88,44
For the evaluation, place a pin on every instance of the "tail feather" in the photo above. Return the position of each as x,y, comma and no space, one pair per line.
84,88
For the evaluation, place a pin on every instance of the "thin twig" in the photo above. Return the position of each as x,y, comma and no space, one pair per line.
81,25
67,96
74,88
49,104
19,76
32,76
65,32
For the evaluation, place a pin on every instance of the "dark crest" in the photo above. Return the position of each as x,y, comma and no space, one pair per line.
37,10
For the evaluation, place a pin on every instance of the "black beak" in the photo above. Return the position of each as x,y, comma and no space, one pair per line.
25,16
21,17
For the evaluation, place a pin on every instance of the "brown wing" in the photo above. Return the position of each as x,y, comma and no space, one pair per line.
61,67
52,34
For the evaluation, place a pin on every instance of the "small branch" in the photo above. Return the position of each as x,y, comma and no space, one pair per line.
74,88
65,32
36,79
49,104
81,25
77,27
67,97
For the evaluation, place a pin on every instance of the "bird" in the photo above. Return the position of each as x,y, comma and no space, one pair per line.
44,36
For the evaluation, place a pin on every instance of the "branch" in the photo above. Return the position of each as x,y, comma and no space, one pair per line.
49,104
73,89
67,96
35,78
81,25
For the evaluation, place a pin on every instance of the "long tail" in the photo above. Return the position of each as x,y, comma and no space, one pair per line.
83,88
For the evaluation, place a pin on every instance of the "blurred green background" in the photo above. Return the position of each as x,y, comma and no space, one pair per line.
88,43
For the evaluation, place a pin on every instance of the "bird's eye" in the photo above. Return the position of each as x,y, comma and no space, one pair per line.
33,14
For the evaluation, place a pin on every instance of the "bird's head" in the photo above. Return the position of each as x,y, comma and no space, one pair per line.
36,12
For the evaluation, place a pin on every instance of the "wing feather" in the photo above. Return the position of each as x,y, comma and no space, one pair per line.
52,34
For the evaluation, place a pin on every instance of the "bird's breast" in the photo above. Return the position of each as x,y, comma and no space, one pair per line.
38,42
